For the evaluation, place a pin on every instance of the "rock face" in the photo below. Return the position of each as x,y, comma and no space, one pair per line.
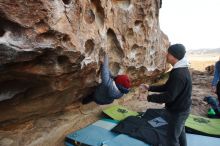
50,51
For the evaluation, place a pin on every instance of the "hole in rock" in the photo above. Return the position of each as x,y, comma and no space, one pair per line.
89,16
66,2
114,45
100,14
89,46
7,25
2,32
138,53
137,22
62,59
66,38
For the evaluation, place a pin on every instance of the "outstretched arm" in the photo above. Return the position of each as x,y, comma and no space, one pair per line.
105,74
172,92
159,88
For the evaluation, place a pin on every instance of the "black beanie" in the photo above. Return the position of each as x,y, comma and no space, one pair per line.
177,50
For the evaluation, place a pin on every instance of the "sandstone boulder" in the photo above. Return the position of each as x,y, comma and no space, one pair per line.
50,51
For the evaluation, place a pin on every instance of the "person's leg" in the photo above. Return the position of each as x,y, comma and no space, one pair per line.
173,133
218,94
218,91
182,138
176,128
212,101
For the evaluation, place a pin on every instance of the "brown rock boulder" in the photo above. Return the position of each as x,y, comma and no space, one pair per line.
50,51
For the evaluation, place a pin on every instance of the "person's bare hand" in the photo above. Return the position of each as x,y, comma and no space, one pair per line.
101,62
143,92
102,54
144,87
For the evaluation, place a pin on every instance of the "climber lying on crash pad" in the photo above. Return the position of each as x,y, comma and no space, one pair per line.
110,88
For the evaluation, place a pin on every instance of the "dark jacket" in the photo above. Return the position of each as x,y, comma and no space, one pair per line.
107,91
216,74
150,128
176,92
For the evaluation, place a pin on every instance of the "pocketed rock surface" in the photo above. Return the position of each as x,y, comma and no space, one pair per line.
51,130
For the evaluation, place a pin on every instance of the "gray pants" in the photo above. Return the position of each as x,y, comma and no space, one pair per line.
176,135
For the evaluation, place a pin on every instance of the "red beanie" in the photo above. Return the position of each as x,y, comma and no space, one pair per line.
123,80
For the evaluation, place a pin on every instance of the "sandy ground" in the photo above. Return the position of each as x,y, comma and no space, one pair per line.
199,62
51,130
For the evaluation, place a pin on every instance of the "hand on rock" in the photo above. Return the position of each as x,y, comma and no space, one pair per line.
102,55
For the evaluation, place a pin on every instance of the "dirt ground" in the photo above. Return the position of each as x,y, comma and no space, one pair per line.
201,81
51,130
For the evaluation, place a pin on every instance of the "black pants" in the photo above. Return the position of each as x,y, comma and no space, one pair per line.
218,91
176,135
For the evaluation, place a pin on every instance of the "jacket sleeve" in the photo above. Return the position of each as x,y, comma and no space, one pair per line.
105,74
118,95
174,88
160,88
216,75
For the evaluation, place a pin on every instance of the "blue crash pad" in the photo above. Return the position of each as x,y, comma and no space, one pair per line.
98,134
124,140
200,140
93,134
